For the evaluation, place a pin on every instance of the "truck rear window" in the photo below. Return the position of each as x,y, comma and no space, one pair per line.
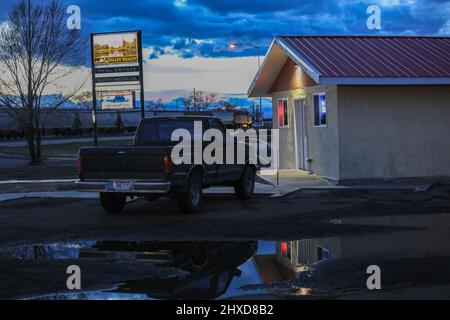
161,131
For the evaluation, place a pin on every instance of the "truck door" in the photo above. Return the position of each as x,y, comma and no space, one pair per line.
225,172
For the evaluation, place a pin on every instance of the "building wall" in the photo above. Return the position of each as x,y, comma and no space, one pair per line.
291,77
323,142
287,140
388,132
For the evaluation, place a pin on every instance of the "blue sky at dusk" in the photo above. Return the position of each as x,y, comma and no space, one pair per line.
189,39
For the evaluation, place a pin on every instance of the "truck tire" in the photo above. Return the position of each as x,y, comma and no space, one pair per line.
112,202
190,200
246,185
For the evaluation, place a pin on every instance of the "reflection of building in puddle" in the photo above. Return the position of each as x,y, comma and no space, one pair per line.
293,257
426,235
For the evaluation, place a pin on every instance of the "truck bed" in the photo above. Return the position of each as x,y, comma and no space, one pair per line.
129,163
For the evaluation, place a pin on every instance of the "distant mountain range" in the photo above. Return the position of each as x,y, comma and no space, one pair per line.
169,99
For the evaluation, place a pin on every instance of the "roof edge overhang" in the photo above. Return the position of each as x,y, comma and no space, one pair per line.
298,59
320,79
385,80
258,73
290,53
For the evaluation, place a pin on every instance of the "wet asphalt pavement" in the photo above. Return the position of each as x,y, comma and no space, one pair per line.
308,244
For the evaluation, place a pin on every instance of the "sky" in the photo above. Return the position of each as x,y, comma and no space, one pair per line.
186,42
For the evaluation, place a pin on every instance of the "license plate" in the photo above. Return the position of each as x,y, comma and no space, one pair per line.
119,186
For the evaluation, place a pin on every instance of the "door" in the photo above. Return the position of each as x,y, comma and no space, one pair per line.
301,134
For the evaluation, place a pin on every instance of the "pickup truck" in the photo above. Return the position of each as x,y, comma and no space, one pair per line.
145,169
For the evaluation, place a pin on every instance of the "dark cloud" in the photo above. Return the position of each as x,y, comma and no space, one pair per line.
205,27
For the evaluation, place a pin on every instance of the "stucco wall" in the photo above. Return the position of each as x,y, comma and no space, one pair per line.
323,142
394,132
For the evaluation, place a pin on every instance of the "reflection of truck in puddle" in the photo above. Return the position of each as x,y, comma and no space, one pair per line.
210,266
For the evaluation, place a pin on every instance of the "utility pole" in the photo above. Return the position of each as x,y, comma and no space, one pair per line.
234,45
260,99
195,101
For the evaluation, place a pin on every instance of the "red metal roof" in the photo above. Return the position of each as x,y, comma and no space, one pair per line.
369,56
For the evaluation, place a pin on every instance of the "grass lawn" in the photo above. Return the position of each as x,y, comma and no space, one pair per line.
65,149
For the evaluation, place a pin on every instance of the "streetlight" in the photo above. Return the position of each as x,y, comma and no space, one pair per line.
233,46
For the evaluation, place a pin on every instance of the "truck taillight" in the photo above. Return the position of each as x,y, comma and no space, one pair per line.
167,163
79,163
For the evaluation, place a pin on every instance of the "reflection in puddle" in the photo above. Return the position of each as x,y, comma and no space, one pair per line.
46,251
429,236
211,269
220,270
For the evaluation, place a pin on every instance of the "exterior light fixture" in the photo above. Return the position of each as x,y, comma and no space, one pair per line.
298,73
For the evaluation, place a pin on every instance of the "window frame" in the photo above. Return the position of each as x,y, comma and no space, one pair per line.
314,110
282,126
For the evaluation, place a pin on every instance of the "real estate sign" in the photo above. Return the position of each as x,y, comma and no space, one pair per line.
111,100
117,61
117,69
115,48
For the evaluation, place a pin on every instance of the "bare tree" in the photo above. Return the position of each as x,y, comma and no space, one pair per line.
226,106
196,100
156,105
36,52
83,99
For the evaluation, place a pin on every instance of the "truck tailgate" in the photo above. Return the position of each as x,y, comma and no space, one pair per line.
133,163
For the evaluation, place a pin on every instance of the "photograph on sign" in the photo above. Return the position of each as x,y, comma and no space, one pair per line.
117,100
115,48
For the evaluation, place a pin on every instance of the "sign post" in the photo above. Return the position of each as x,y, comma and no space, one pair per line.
117,71
141,70
94,95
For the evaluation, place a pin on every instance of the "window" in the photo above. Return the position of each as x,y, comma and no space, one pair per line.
161,130
283,113
216,124
322,253
320,110
286,249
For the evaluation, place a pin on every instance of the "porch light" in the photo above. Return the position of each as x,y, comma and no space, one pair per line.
298,74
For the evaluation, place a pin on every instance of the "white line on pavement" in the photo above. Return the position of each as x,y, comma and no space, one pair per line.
37,181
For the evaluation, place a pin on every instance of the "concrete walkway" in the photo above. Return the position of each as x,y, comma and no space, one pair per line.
260,189
298,179
288,181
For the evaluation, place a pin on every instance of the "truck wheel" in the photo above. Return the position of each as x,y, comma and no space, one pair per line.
246,185
190,200
112,202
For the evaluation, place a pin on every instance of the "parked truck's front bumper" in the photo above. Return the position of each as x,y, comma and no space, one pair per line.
137,187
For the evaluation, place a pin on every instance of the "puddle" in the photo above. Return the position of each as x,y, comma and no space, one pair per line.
211,270
221,270
51,251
